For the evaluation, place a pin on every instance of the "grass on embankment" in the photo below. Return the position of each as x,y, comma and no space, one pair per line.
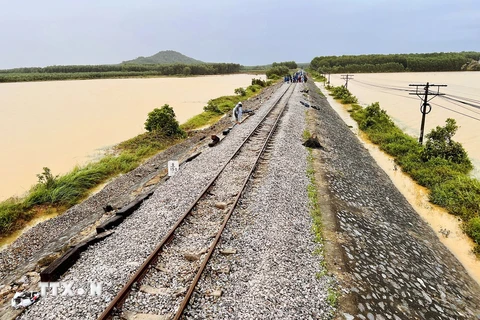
440,165
317,223
62,192
316,76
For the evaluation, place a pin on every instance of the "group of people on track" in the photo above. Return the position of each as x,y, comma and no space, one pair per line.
298,76
238,111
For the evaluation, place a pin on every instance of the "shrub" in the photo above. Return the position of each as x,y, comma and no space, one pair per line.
277,72
163,120
259,82
440,144
211,107
373,117
46,178
343,94
349,100
240,91
472,229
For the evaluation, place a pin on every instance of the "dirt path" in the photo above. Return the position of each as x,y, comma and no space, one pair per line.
390,263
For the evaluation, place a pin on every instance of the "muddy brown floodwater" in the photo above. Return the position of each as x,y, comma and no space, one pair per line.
445,225
60,124
389,90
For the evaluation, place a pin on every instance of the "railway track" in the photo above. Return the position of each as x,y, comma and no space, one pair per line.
165,282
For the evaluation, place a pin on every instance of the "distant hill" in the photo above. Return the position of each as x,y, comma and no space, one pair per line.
165,57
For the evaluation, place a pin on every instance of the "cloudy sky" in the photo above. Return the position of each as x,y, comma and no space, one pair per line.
250,32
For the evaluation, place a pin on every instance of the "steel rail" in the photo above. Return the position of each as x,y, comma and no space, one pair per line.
123,293
212,247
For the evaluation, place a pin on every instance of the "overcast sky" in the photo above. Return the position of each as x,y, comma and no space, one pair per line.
250,32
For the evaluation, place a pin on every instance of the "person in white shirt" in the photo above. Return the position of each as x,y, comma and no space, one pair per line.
237,113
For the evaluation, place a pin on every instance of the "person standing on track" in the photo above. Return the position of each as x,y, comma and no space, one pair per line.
237,113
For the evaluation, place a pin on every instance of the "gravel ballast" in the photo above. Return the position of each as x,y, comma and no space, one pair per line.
115,259
54,234
273,273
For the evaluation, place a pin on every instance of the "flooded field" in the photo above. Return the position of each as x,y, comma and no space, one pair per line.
446,226
63,123
390,90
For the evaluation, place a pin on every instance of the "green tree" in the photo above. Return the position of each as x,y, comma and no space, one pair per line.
288,64
187,71
278,71
163,120
440,144
240,91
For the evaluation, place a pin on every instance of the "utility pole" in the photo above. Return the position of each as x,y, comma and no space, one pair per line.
346,77
425,100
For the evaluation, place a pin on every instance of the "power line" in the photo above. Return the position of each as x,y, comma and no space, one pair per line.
471,102
459,105
463,114
397,88
463,102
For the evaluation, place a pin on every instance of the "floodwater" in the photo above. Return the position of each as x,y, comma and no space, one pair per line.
389,89
446,226
60,124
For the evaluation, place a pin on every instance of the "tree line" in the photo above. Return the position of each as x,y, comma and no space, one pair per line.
414,62
288,64
113,71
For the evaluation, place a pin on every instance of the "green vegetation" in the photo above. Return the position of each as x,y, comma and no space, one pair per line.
316,76
317,224
419,62
165,57
114,71
441,145
312,192
163,120
58,193
62,192
288,64
442,165
259,82
332,297
343,94
277,72
241,92
472,228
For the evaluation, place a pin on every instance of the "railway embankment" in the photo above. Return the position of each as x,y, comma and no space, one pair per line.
387,262
285,230
23,260
390,262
